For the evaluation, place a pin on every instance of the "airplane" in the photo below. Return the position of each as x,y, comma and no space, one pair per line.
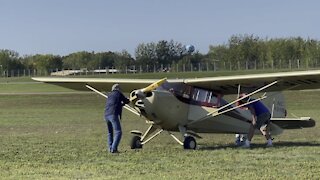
198,105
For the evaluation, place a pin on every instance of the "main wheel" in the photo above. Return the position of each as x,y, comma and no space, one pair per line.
136,142
189,143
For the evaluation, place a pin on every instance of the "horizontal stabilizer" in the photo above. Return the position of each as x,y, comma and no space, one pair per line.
294,123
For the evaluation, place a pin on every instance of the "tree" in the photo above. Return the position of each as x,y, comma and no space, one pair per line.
123,60
9,60
146,56
162,53
77,60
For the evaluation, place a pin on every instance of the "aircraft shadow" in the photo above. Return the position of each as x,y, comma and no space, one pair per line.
253,146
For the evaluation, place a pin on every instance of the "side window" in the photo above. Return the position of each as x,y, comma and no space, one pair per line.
205,97
213,99
201,95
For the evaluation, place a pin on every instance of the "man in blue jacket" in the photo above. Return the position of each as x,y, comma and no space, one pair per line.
112,115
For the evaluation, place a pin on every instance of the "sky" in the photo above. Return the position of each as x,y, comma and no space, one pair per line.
61,27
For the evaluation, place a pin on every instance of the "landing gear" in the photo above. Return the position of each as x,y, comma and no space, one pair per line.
139,139
189,143
136,142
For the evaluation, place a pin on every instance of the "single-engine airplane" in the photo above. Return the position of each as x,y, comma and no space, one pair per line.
192,106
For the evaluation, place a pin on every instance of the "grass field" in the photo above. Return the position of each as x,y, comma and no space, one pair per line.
63,136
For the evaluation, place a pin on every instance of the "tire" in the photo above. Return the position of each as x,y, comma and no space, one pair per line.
189,143
136,142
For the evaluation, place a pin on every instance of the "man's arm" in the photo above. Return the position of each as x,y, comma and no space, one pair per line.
254,117
124,99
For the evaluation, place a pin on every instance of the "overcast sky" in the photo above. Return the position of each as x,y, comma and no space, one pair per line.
61,27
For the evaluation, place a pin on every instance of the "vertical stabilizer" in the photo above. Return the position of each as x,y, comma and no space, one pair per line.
275,101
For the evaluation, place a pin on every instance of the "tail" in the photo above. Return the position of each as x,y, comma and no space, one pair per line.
275,102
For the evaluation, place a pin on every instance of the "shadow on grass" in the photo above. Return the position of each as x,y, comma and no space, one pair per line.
253,146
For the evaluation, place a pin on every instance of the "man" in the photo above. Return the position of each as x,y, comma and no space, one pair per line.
260,120
112,115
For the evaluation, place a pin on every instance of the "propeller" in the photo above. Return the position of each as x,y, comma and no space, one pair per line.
140,93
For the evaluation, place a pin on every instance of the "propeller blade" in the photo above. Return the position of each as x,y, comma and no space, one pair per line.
154,85
149,88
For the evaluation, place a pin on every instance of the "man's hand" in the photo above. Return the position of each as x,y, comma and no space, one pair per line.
254,123
254,120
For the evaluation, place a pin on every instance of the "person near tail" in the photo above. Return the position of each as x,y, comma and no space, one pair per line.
260,120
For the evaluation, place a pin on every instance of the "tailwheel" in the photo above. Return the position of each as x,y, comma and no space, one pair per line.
136,142
189,143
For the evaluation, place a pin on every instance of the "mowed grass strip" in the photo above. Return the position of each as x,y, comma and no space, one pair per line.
63,136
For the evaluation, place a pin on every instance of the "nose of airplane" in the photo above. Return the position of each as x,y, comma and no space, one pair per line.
142,93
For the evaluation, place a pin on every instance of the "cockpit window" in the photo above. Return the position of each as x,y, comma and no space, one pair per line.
200,95
193,95
205,97
213,99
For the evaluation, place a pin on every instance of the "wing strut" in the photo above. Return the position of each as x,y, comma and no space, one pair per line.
216,112
125,106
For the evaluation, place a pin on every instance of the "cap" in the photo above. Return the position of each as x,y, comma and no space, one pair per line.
115,87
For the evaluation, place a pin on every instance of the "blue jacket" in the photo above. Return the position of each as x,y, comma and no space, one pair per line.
114,103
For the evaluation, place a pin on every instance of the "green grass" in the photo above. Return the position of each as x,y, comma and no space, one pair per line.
30,87
63,136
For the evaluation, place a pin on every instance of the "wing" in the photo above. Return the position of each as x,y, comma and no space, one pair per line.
101,84
297,80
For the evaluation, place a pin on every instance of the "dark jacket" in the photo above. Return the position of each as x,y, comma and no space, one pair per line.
259,108
114,103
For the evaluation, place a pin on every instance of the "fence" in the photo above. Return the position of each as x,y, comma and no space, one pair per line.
196,67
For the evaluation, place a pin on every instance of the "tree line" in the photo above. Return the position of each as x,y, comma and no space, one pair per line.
250,50
280,52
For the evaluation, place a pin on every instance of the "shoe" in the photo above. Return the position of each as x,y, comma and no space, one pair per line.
237,142
269,145
115,151
245,146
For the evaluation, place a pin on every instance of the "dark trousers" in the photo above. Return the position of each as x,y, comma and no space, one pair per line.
114,132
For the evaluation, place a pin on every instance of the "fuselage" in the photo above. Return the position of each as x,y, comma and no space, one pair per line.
177,104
